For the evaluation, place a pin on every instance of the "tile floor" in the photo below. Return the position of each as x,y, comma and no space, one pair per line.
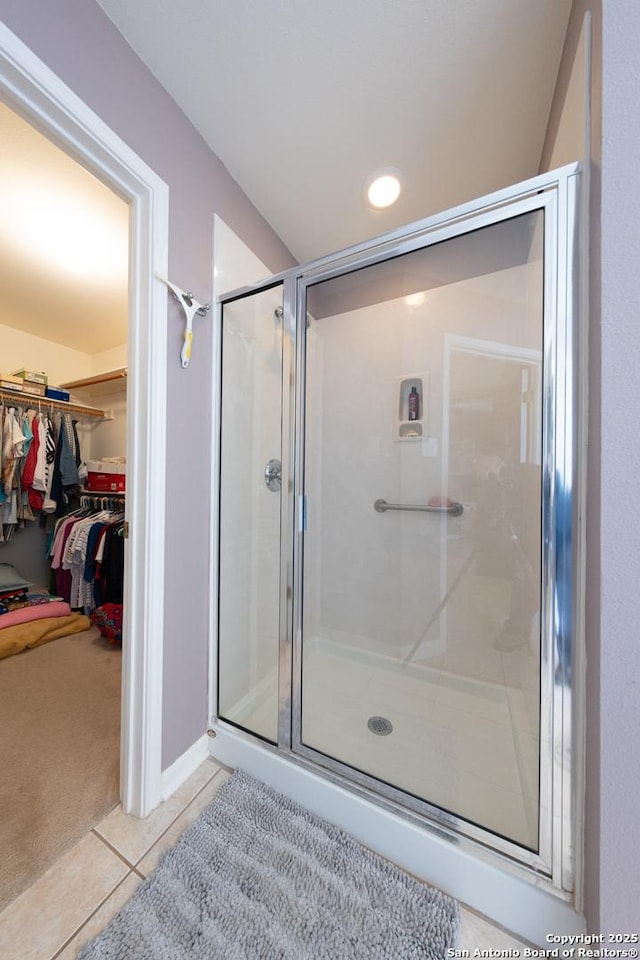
80,893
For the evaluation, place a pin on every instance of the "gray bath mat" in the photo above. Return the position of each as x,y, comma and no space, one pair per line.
257,877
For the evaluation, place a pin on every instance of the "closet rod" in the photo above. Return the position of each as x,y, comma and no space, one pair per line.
120,374
98,496
15,398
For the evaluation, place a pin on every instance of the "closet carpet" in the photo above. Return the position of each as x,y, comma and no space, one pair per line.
59,751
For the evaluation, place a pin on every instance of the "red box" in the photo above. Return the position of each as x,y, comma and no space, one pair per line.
106,482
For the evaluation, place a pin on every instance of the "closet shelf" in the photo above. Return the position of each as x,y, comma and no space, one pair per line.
15,398
119,374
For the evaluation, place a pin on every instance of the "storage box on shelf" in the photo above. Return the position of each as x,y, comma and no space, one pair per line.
31,376
26,381
107,476
57,393
33,389
9,381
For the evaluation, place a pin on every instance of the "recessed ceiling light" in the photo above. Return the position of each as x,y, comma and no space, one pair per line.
383,187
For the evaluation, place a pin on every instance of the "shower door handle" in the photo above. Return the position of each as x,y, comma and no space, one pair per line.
273,475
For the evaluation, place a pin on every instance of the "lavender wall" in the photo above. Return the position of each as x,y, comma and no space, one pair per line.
79,43
619,719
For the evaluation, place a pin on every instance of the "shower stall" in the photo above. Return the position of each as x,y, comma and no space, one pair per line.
397,561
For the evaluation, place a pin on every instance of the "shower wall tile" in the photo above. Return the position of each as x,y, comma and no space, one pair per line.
379,575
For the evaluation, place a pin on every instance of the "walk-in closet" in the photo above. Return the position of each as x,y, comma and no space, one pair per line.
63,402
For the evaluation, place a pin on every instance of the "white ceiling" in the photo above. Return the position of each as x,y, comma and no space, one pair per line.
303,100
63,245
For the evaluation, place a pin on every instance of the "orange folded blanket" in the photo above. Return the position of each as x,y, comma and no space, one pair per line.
35,632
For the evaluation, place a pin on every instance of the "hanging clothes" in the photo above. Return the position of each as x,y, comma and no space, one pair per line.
13,439
111,569
41,466
87,558
40,471
49,505
34,496
12,445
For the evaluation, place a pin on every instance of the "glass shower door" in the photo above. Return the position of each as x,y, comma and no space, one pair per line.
250,512
420,655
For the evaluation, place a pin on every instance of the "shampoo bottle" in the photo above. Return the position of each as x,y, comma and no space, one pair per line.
414,404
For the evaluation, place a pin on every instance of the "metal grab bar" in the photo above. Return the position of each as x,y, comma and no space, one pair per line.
454,509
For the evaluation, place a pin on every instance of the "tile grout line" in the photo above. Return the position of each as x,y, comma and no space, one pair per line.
113,849
133,871
494,925
175,819
91,915
131,868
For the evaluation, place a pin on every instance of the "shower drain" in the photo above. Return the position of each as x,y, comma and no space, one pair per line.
380,726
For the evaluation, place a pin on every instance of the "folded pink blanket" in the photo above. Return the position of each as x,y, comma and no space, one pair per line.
57,608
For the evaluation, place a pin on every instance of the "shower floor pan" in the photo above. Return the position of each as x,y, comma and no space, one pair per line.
468,746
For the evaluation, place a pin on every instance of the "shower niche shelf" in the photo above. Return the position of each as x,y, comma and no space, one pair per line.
406,429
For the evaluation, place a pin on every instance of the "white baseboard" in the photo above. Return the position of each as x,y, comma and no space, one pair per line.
182,768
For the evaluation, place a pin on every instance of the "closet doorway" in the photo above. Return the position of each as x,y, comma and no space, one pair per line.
34,92
64,255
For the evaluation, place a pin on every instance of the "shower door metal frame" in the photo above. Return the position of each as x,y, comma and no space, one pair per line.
554,867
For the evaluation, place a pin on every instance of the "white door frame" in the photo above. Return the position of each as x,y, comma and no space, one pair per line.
30,88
